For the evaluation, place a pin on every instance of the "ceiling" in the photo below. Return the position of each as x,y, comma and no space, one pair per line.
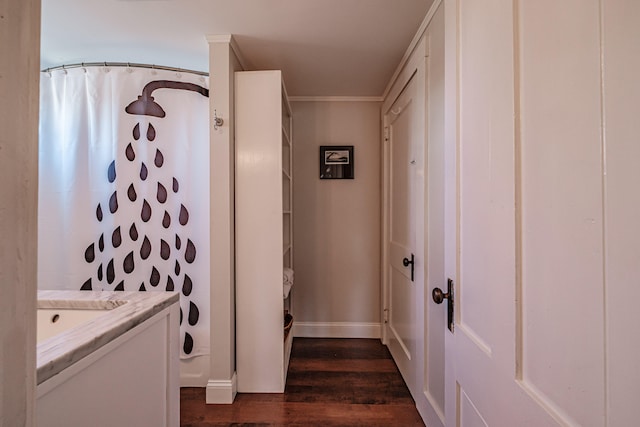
323,47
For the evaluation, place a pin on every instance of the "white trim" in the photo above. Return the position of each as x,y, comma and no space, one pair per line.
384,225
222,391
412,46
238,53
219,38
336,99
336,330
228,38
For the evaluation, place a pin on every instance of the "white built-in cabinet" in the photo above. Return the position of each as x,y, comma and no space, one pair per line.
264,238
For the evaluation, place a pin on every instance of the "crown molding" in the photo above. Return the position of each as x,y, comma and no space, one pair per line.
229,39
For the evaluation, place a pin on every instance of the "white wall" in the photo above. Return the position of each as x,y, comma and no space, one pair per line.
19,88
336,222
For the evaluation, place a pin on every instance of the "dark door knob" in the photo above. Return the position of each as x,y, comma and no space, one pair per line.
409,262
439,296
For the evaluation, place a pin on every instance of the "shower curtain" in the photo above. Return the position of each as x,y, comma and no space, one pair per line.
124,187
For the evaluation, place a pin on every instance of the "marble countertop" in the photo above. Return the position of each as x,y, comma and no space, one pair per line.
123,311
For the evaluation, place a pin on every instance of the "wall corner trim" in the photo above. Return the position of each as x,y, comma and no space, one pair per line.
222,391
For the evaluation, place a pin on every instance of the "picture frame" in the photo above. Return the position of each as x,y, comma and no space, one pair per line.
336,162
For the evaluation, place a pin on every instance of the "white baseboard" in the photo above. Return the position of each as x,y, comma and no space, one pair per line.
222,391
336,330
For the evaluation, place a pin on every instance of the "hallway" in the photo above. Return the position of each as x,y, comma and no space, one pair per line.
331,382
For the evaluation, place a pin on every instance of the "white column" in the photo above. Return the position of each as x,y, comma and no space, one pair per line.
224,61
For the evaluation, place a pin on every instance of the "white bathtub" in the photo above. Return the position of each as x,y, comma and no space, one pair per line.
56,317
108,358
53,321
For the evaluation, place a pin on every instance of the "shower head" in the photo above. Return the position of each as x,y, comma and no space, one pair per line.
145,105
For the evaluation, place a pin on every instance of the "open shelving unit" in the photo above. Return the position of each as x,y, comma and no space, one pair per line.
264,229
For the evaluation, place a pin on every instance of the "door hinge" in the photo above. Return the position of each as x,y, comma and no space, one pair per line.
385,315
386,133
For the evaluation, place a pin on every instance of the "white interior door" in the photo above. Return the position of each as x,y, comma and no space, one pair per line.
405,136
485,386
414,224
486,383
542,206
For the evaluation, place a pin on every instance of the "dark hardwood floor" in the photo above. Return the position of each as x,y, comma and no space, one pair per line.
331,382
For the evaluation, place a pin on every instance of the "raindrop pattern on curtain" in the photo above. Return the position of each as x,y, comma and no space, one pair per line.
132,242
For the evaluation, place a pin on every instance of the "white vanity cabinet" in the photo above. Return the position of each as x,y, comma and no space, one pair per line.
264,225
120,367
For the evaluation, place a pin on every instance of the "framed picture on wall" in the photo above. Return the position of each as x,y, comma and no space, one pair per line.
336,162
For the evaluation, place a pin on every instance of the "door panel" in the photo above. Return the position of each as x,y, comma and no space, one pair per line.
402,182
405,238
435,316
402,321
561,210
414,179
486,225
469,414
622,209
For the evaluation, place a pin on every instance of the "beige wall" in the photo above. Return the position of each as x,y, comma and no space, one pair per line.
19,89
336,222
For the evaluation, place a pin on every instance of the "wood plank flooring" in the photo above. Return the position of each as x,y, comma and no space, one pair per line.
331,382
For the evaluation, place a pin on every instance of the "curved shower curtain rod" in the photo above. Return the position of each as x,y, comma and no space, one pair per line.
124,64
